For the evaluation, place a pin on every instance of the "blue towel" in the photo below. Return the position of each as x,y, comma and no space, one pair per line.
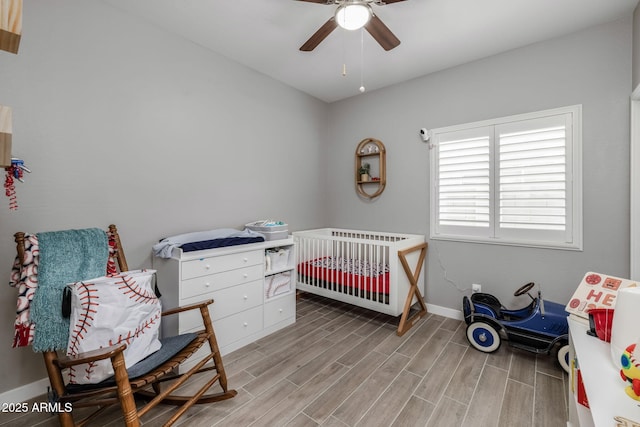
65,257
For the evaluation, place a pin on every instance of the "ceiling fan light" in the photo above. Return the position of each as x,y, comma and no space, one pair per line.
353,16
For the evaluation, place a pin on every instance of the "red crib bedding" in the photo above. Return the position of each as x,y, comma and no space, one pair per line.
352,273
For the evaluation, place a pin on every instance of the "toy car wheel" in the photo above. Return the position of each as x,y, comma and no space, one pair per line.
562,356
483,336
466,309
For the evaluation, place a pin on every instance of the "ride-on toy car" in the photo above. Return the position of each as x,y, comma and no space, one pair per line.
541,327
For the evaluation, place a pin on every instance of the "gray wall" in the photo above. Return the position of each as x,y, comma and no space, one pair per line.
592,68
124,123
636,47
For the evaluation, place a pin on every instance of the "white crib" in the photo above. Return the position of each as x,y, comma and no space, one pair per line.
375,270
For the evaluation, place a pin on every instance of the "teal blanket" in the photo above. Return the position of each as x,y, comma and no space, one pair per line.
65,257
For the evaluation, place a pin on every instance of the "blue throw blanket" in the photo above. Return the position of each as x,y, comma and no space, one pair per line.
65,257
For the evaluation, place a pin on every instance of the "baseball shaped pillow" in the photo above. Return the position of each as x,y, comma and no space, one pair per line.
110,310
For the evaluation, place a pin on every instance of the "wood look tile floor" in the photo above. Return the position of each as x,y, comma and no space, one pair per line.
340,365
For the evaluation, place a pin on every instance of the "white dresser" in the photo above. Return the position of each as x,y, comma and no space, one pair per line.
253,288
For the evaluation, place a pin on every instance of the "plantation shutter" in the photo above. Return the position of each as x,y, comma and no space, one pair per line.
464,180
533,178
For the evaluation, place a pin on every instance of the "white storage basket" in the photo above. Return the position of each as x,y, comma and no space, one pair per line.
270,232
277,259
274,235
260,226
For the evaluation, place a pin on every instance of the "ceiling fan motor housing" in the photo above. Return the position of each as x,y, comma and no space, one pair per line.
348,9
353,16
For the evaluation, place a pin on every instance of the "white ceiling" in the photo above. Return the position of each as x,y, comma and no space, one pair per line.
436,34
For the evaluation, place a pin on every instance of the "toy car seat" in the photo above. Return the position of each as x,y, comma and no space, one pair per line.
489,301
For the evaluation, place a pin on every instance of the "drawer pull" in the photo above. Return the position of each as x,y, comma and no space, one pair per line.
207,285
281,310
207,267
245,324
245,275
246,297
245,259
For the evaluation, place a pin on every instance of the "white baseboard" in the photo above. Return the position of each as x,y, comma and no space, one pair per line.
38,388
25,392
444,311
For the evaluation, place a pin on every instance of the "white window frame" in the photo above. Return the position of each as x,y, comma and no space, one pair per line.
570,238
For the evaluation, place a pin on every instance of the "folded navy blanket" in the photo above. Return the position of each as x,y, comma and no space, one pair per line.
219,243
206,240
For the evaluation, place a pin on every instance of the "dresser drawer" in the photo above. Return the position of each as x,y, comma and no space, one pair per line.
205,266
205,285
226,302
279,309
236,299
239,326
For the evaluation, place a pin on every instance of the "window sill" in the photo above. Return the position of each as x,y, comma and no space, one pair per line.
527,244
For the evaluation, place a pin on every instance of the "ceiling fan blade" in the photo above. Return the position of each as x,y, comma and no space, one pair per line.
381,33
319,35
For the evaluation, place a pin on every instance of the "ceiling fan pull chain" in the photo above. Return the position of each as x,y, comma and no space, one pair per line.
362,60
344,55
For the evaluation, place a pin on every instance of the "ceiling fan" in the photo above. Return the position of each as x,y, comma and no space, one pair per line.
354,14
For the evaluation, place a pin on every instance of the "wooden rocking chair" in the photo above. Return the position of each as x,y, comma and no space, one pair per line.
161,366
